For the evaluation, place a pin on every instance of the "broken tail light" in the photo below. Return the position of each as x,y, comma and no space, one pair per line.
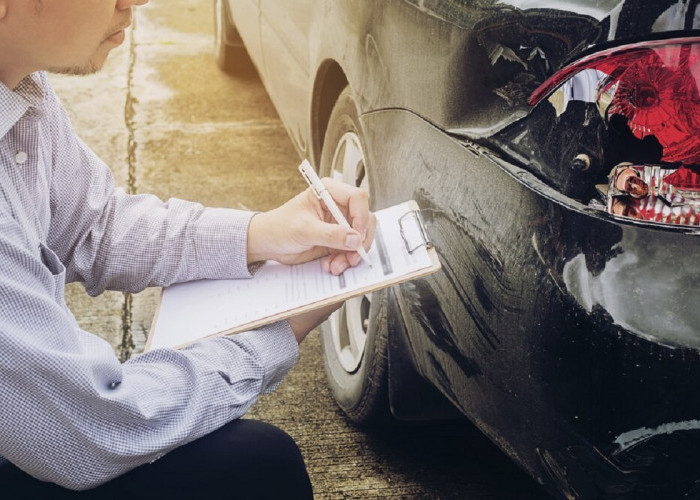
654,193
653,88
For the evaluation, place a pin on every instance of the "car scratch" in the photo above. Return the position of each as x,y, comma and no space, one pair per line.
634,437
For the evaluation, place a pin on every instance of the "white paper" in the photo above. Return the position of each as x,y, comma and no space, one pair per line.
197,309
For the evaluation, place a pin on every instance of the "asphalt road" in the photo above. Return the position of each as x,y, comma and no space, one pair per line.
168,122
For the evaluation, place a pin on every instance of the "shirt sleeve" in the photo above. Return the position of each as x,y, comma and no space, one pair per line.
109,239
73,415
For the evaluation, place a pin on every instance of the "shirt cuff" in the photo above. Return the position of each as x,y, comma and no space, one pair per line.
277,350
222,243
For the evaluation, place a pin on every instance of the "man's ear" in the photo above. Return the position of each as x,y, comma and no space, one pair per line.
3,9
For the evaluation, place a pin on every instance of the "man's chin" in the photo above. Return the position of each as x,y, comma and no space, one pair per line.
92,65
87,69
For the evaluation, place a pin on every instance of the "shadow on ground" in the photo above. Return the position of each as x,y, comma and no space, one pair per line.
451,459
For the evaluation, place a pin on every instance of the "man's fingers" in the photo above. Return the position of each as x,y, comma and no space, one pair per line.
337,263
353,201
332,235
360,217
340,191
353,241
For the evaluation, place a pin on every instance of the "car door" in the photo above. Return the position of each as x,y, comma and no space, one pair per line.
286,30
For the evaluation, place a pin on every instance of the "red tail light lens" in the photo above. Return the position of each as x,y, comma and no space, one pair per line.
654,86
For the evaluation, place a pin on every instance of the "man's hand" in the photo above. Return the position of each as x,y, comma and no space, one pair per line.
302,229
302,324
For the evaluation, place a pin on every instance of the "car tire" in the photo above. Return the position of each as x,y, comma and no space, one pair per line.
354,339
231,55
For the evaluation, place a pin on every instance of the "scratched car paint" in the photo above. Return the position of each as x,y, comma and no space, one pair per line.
565,321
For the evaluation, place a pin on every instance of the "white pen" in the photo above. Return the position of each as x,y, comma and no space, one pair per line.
308,172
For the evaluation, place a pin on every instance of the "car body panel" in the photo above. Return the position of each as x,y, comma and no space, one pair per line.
568,336
246,17
529,342
286,64
475,99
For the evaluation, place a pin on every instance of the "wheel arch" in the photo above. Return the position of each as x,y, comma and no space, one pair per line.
329,83
409,396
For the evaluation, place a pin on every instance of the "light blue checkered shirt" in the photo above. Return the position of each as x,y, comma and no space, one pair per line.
70,413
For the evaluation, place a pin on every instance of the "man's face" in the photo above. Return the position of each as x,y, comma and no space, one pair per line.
79,34
64,36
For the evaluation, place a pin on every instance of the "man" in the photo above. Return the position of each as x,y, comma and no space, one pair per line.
165,423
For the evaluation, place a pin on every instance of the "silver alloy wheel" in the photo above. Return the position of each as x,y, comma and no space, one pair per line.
349,324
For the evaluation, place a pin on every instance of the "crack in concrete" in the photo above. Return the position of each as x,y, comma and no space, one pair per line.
127,346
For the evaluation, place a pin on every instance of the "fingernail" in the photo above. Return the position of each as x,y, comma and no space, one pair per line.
352,241
340,269
354,259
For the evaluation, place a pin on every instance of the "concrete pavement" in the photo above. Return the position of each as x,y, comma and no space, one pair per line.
169,122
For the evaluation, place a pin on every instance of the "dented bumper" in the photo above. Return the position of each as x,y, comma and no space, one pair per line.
569,336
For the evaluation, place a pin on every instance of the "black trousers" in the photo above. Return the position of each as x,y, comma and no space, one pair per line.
244,459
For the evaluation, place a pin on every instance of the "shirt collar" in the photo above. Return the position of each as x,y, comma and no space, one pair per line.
14,104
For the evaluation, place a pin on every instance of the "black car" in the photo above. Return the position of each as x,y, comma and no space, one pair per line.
553,148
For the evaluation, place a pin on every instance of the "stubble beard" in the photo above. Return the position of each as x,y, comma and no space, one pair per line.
94,63
88,68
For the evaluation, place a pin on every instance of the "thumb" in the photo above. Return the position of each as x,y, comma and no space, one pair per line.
335,236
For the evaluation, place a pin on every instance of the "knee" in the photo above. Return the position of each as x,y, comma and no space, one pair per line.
270,444
273,458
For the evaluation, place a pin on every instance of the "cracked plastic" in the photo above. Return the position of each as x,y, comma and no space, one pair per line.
652,193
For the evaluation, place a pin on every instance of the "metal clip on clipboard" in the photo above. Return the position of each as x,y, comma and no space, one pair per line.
415,232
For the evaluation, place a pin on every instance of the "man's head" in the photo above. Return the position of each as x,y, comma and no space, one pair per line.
64,36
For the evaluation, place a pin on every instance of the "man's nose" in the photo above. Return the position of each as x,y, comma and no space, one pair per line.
127,4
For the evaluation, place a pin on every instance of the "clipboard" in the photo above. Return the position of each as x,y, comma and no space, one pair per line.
401,251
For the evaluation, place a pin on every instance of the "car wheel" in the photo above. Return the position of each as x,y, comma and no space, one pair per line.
231,55
354,339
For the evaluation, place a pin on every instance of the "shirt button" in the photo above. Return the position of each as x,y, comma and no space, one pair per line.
21,158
